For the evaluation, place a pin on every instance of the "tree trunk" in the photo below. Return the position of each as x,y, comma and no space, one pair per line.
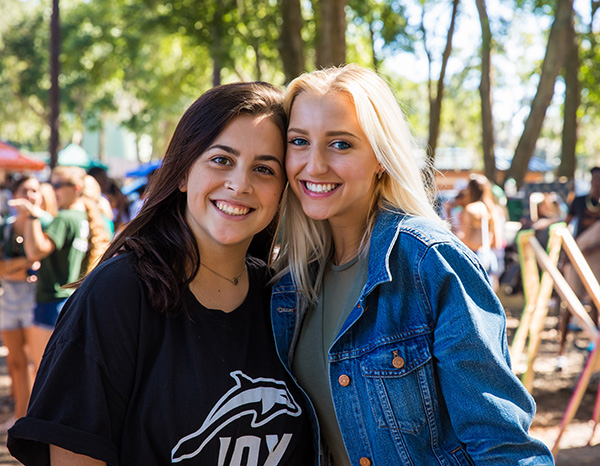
485,91
290,44
217,51
568,159
257,62
137,147
101,137
435,104
331,37
553,60
54,86
372,44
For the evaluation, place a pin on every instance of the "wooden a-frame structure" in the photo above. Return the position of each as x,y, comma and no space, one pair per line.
537,297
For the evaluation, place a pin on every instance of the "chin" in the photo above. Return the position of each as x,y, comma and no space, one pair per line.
316,215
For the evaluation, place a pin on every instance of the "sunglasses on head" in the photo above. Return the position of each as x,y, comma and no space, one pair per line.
60,184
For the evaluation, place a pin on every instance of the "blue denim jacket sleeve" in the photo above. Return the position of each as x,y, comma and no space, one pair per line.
489,409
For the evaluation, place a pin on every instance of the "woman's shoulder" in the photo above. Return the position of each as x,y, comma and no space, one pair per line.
109,301
426,230
115,274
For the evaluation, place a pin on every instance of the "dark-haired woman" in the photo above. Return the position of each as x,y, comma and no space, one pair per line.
164,354
17,301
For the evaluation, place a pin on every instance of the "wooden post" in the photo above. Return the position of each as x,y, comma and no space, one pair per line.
541,306
531,287
592,365
581,266
565,291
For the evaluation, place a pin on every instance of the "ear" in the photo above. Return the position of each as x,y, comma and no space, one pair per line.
183,185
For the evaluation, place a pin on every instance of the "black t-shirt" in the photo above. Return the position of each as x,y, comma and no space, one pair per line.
586,211
126,385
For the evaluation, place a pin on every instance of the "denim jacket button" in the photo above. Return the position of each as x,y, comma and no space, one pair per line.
364,461
398,362
344,381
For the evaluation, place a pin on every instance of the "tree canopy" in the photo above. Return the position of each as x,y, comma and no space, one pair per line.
140,63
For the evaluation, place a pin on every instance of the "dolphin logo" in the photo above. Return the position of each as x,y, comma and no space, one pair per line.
261,398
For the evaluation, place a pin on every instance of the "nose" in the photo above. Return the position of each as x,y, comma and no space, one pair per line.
316,164
239,182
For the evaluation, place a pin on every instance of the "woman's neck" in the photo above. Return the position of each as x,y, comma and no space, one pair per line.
222,281
347,241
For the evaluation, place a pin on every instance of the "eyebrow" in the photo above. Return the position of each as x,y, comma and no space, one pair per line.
228,149
232,151
328,133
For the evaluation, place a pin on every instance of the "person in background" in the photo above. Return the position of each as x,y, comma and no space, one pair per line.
92,191
387,320
66,249
119,204
48,204
455,209
585,210
17,300
481,227
165,352
584,218
101,176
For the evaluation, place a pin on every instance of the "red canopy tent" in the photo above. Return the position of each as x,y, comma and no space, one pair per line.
12,160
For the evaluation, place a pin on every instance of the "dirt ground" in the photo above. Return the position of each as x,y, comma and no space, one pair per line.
552,391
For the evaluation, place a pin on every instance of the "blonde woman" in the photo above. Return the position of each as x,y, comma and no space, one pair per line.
386,319
70,245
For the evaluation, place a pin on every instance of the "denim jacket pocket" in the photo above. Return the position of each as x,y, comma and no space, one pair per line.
397,376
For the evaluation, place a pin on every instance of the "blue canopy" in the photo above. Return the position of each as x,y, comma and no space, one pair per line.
144,169
135,185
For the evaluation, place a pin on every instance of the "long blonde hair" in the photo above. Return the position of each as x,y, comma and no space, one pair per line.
99,237
306,241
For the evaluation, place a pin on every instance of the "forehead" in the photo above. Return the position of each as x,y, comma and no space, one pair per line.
30,184
335,105
332,100
249,136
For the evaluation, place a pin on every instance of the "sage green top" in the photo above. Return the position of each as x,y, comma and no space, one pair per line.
341,288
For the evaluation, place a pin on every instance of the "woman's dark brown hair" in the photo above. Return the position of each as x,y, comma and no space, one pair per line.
164,250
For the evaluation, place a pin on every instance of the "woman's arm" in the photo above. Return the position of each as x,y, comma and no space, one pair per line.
473,363
61,457
15,268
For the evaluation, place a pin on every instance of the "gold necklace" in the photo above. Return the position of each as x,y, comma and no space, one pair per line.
234,281
591,207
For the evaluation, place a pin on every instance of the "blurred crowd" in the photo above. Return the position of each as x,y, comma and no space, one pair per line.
479,216
51,234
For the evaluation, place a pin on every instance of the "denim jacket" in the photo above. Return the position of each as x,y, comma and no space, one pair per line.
420,372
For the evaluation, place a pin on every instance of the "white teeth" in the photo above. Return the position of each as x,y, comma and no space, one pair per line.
320,188
231,210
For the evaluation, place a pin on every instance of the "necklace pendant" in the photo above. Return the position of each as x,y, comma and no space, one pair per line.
235,281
